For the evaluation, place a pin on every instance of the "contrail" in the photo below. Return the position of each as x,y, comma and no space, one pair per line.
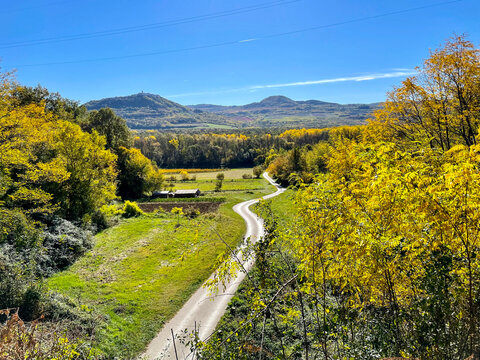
368,77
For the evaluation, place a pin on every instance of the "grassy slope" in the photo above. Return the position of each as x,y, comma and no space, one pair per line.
283,208
141,271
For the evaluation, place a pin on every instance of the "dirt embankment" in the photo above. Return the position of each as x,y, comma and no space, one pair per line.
202,206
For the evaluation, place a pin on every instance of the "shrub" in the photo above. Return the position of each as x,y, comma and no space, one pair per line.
14,276
19,287
111,210
17,230
192,213
31,305
218,185
100,220
63,243
184,175
257,171
131,209
106,216
247,176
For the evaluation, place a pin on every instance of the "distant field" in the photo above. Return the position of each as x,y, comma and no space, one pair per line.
190,171
209,173
229,185
205,181
140,272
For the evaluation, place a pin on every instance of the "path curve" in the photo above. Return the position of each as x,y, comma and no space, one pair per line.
201,309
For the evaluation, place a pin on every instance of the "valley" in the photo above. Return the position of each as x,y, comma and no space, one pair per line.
150,111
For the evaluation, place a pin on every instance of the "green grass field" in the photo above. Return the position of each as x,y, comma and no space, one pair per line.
233,182
284,208
140,272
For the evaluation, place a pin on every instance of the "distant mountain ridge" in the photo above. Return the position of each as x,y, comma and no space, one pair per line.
150,111
275,110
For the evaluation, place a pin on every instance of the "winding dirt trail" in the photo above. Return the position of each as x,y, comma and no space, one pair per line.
202,309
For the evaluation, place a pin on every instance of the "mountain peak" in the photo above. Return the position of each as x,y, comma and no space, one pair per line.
146,111
277,100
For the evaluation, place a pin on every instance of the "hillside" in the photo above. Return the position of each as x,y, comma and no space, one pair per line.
283,111
149,111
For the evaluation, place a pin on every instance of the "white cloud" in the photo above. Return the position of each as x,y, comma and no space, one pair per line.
336,80
368,77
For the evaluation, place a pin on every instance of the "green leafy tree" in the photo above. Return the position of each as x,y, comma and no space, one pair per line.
108,124
53,103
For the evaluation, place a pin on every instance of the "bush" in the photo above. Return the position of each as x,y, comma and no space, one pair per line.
218,185
17,230
247,176
111,210
257,171
18,284
184,175
106,216
31,306
13,276
100,220
64,242
131,209
192,213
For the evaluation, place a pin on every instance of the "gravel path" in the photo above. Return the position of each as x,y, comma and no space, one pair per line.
201,310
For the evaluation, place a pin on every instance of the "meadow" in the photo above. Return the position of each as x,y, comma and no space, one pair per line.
142,270
205,181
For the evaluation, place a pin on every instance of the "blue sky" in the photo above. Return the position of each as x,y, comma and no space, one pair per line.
227,52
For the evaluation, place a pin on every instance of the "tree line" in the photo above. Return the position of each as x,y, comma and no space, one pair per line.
218,150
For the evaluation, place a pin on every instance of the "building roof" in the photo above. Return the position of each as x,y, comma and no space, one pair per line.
161,192
189,191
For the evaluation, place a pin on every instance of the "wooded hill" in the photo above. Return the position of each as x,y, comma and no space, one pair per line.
150,111
283,111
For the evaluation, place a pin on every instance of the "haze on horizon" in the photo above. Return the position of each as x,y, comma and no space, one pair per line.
232,53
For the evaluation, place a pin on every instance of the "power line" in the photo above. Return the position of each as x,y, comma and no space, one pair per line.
234,42
146,27
372,17
43,5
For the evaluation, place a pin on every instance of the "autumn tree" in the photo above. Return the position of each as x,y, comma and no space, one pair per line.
385,243
440,105
137,174
91,168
